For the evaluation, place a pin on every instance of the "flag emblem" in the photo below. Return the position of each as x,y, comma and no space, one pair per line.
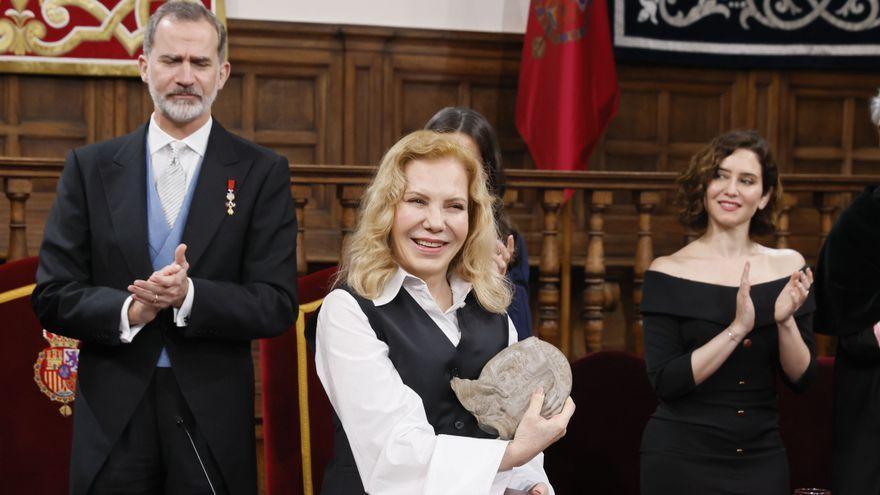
56,369
561,21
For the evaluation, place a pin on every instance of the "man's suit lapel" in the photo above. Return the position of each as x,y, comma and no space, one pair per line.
125,185
207,208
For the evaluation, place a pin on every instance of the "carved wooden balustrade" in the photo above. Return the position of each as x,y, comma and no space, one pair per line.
813,200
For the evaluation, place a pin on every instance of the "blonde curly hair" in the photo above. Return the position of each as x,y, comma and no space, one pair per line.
368,263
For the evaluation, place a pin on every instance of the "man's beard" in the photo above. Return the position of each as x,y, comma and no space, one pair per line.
182,111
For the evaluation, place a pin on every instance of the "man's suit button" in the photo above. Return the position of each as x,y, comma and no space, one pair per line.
458,424
453,372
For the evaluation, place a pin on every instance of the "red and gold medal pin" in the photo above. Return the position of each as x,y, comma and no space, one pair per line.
230,196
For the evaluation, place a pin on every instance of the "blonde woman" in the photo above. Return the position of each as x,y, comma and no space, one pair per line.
420,301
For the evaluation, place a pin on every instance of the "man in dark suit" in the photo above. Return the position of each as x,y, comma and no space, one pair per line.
166,252
848,297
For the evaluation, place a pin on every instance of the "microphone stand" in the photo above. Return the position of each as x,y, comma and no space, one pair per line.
182,424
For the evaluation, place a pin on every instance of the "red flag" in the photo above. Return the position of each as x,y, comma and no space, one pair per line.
567,82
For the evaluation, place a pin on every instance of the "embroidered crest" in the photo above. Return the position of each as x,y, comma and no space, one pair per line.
56,368
561,20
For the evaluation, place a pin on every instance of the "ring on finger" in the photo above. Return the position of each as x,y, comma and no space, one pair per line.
155,297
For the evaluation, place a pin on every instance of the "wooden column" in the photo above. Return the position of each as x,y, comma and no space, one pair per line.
783,223
826,203
18,191
548,279
646,202
350,199
594,272
301,194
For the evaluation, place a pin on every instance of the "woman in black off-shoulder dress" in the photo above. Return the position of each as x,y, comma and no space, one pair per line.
722,317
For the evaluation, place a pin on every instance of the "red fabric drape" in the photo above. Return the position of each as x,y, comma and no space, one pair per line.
568,83
34,437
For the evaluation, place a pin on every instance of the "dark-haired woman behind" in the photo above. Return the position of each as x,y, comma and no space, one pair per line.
723,316
475,132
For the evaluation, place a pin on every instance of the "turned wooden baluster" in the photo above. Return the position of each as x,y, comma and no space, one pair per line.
18,191
301,194
826,203
350,199
783,223
646,202
594,272
548,278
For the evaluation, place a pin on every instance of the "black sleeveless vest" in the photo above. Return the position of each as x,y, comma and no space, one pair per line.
426,361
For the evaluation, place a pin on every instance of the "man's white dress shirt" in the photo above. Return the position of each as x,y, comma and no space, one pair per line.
394,446
190,155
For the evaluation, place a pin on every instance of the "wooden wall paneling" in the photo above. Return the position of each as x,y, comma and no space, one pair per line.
292,95
827,125
417,96
762,106
815,133
55,114
101,115
120,108
13,105
229,107
289,113
633,139
5,104
306,73
362,115
248,105
426,71
496,99
667,114
137,103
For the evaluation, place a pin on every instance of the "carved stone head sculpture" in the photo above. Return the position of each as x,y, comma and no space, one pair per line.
500,397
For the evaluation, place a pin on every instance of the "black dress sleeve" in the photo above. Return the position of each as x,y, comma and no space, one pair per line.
804,323
667,358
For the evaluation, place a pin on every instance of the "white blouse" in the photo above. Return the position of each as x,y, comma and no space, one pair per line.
394,446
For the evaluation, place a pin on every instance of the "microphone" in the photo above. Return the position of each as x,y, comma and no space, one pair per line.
182,424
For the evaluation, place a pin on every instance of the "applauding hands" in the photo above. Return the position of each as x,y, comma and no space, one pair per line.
793,295
166,287
744,321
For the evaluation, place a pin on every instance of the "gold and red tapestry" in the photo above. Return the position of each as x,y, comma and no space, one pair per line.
81,37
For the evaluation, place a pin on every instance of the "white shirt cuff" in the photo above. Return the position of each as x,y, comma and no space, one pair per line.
126,331
526,476
465,465
181,314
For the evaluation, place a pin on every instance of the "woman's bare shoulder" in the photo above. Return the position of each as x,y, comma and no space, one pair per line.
674,264
784,262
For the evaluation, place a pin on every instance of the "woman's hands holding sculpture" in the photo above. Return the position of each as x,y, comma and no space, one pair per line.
535,433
